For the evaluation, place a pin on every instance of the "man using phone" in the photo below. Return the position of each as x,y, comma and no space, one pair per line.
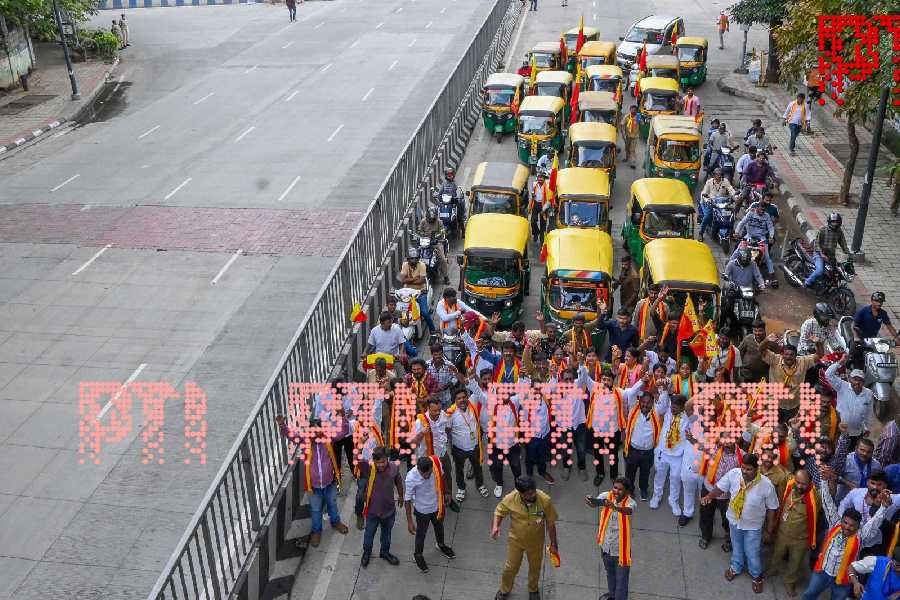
614,536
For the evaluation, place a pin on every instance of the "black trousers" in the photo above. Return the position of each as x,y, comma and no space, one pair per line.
613,444
345,445
514,456
708,516
459,460
639,462
422,521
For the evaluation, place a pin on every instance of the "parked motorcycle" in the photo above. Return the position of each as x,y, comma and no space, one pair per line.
411,322
879,364
833,287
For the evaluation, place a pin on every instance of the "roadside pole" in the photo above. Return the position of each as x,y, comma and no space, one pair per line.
65,48
863,211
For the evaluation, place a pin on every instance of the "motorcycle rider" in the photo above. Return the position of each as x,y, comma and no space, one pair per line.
757,224
740,272
449,187
753,125
450,312
827,240
544,164
432,227
755,173
717,141
760,140
867,323
413,275
713,127
743,161
819,326
717,187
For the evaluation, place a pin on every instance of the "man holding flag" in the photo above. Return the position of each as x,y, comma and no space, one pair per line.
630,135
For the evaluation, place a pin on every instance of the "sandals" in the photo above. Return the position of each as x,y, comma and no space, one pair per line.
730,574
757,585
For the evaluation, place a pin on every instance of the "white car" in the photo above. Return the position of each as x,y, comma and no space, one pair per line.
655,31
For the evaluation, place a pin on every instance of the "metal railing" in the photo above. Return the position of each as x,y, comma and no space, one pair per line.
212,557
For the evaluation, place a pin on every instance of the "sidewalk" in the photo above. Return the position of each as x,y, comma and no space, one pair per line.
48,104
816,171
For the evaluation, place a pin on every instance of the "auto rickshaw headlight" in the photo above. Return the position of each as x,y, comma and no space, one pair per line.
508,303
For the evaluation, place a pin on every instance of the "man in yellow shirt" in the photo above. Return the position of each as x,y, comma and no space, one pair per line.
530,511
787,368
630,135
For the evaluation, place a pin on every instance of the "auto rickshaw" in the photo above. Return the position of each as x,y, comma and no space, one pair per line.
663,65
658,208
598,107
494,268
597,53
555,83
674,149
579,263
659,96
692,53
547,57
685,267
498,187
593,146
604,78
571,37
497,98
583,198
540,127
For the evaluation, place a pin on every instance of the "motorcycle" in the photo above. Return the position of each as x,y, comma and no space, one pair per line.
448,211
834,285
879,364
427,254
453,347
744,308
726,163
410,318
723,221
757,247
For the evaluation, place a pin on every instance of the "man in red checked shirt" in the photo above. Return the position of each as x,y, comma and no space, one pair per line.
421,383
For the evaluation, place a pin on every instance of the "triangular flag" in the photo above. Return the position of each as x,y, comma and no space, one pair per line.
580,42
543,256
688,326
642,61
357,315
563,50
514,107
574,107
553,173
674,38
533,75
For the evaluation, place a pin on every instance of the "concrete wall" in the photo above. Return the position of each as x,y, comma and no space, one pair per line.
16,57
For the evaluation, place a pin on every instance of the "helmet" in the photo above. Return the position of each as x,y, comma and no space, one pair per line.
743,256
878,297
412,253
823,313
449,173
432,213
835,220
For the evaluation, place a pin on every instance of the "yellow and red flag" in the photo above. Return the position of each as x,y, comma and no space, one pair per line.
580,42
554,556
533,76
553,174
563,50
574,104
357,315
514,107
688,326
543,256
674,38
642,59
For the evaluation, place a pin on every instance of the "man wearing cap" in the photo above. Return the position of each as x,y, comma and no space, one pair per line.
867,323
414,275
854,400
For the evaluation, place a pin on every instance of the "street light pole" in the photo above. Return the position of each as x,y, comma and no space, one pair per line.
742,65
863,211
62,38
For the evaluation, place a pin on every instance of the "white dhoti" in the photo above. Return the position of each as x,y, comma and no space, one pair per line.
668,464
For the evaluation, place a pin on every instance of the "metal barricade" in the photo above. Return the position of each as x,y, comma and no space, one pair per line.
211,560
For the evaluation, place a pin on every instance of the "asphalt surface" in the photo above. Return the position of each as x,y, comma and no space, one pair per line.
179,235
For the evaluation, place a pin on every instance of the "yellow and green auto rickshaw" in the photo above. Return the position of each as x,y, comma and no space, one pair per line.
593,146
685,267
583,197
674,149
571,38
547,57
604,78
497,99
555,83
597,53
498,187
540,128
658,96
598,107
663,65
658,208
494,268
579,265
692,53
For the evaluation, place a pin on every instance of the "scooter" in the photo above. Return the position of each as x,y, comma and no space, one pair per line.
448,211
428,255
726,163
411,322
879,364
723,221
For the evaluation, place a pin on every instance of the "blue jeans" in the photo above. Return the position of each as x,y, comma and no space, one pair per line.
422,299
320,498
819,261
706,217
536,452
821,581
411,350
616,577
745,551
387,526
795,131
533,5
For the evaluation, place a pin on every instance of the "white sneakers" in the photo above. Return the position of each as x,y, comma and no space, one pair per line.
460,495
498,491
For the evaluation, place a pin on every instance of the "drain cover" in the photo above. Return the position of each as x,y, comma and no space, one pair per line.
24,103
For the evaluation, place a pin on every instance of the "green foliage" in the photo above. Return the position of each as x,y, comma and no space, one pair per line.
37,15
759,12
106,44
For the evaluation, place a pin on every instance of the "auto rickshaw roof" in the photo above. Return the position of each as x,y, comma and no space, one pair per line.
681,264
662,61
604,71
597,101
692,41
497,232
546,47
582,182
560,77
660,193
578,249
675,125
501,176
592,132
504,79
544,106
588,31
659,84
597,48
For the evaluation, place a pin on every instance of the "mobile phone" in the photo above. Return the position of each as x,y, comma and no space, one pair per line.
595,502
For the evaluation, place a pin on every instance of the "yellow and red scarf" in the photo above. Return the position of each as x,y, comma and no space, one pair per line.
737,501
446,324
678,384
730,358
850,552
438,476
477,413
709,468
784,454
628,376
500,370
673,436
632,421
334,464
584,342
812,509
624,529
644,317
429,436
620,408
893,543
833,427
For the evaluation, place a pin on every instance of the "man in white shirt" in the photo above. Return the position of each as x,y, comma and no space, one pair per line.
743,161
727,359
795,115
640,436
854,400
423,502
669,455
431,433
619,502
503,433
387,338
753,504
571,423
450,311
867,500
538,447
465,431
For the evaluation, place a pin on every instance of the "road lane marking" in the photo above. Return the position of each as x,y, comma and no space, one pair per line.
430,23
369,93
319,25
240,137
325,68
285,28
339,127
173,192
379,25
291,97
203,98
92,259
286,46
122,389
230,262
148,132
121,79
289,188
323,581
354,44
251,69
72,178
411,43
393,64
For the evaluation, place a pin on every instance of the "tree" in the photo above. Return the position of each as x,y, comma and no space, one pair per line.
36,16
798,44
762,12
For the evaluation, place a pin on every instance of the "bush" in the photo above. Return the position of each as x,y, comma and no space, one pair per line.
106,44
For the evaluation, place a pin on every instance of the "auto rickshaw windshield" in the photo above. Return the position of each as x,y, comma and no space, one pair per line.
492,271
493,202
595,156
690,54
543,60
666,223
590,61
598,116
582,213
571,41
565,296
550,89
659,100
604,85
535,125
499,97
708,298
677,151
638,35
